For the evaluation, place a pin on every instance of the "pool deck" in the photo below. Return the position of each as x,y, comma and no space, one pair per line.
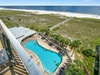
43,43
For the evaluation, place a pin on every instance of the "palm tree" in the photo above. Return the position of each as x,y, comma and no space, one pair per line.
46,31
67,42
58,37
75,44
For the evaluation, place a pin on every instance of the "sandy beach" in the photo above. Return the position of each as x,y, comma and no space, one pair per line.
68,14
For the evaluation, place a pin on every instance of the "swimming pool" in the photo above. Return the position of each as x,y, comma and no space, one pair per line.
50,60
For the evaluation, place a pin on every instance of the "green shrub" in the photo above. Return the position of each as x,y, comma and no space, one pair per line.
89,52
73,70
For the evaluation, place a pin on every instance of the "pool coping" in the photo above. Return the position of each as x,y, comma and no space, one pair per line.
47,50
35,57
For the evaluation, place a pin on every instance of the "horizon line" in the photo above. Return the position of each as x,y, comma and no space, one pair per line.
49,5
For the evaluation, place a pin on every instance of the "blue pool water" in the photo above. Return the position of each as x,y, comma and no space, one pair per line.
50,60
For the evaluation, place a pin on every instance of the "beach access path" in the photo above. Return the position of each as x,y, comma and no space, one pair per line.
61,23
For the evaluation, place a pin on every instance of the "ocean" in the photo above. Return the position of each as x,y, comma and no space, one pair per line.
73,9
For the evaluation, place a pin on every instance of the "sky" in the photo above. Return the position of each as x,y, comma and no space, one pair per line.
50,2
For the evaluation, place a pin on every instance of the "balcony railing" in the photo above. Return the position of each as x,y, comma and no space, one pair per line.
28,63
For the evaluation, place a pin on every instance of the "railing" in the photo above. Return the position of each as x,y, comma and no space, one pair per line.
28,63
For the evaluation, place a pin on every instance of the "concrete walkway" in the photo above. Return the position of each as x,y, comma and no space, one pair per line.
57,25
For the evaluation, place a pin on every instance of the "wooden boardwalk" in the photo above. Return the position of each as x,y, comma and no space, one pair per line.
61,23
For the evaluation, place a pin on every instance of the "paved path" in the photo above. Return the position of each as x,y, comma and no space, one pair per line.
57,25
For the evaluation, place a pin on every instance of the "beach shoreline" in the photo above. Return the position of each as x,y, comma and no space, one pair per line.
68,14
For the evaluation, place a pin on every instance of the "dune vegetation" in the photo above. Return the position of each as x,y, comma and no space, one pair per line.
86,30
